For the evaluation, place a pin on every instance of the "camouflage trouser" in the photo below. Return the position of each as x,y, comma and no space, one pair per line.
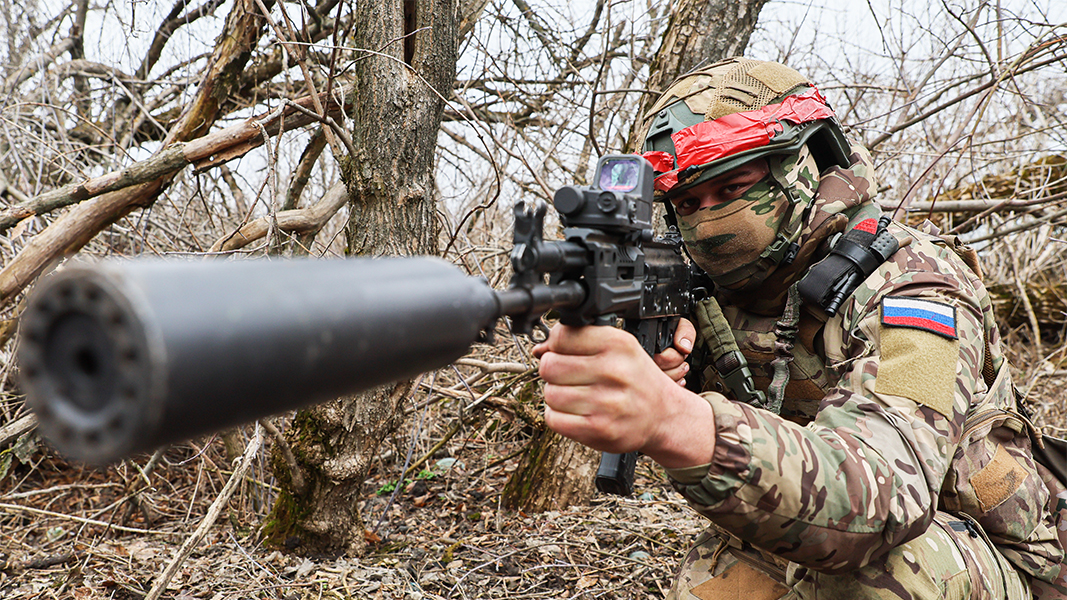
947,562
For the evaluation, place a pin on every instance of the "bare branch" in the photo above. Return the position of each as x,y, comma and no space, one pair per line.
36,64
210,150
301,220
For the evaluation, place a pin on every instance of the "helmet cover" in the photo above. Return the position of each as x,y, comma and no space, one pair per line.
720,117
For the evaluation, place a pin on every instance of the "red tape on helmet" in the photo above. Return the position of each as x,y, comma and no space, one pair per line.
661,161
708,141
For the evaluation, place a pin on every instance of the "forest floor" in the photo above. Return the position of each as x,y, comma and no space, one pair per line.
75,532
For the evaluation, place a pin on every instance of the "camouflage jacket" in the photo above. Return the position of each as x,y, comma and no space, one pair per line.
882,425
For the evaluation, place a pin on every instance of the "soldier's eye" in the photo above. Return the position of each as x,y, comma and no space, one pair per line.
686,206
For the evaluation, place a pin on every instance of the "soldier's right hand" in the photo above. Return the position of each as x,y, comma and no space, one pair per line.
603,390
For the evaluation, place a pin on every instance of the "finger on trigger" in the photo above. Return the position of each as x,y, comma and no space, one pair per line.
684,335
668,359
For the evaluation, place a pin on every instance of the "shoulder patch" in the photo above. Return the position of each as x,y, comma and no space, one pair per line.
927,315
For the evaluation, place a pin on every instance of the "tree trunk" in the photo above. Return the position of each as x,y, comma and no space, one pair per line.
699,32
397,108
555,473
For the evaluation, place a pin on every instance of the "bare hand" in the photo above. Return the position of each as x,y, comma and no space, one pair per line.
603,390
672,360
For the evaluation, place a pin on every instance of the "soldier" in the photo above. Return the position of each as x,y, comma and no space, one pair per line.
857,433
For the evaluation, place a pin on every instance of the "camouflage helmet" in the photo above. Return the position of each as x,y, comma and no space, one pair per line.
751,108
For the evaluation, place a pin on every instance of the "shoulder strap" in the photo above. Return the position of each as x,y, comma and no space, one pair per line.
718,338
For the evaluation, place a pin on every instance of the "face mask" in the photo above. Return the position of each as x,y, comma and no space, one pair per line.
731,235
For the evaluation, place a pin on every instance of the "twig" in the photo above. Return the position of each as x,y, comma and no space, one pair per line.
48,513
500,461
134,494
456,427
329,122
963,96
14,429
212,515
300,52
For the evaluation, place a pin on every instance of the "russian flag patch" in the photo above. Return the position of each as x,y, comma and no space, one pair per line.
927,315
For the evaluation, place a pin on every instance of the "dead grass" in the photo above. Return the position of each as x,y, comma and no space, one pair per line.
71,532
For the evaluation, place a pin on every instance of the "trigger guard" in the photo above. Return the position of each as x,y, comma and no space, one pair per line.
539,332
665,335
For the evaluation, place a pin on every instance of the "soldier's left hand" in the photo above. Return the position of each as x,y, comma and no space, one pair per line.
672,360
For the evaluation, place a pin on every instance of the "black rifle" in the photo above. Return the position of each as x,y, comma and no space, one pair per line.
127,355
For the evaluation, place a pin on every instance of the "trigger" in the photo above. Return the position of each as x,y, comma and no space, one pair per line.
665,337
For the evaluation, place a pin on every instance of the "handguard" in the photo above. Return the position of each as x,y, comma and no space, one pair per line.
856,255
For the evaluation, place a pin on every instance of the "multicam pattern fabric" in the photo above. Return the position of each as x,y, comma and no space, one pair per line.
850,478
730,86
945,562
726,237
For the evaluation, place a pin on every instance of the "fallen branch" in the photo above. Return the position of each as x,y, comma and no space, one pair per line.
12,431
213,512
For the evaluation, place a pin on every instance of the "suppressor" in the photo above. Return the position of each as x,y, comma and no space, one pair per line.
124,356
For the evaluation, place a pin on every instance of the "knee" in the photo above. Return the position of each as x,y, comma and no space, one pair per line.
713,569
944,563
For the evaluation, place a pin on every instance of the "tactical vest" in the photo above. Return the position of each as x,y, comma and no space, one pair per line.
809,377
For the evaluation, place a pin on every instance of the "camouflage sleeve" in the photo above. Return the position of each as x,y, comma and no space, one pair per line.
864,476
